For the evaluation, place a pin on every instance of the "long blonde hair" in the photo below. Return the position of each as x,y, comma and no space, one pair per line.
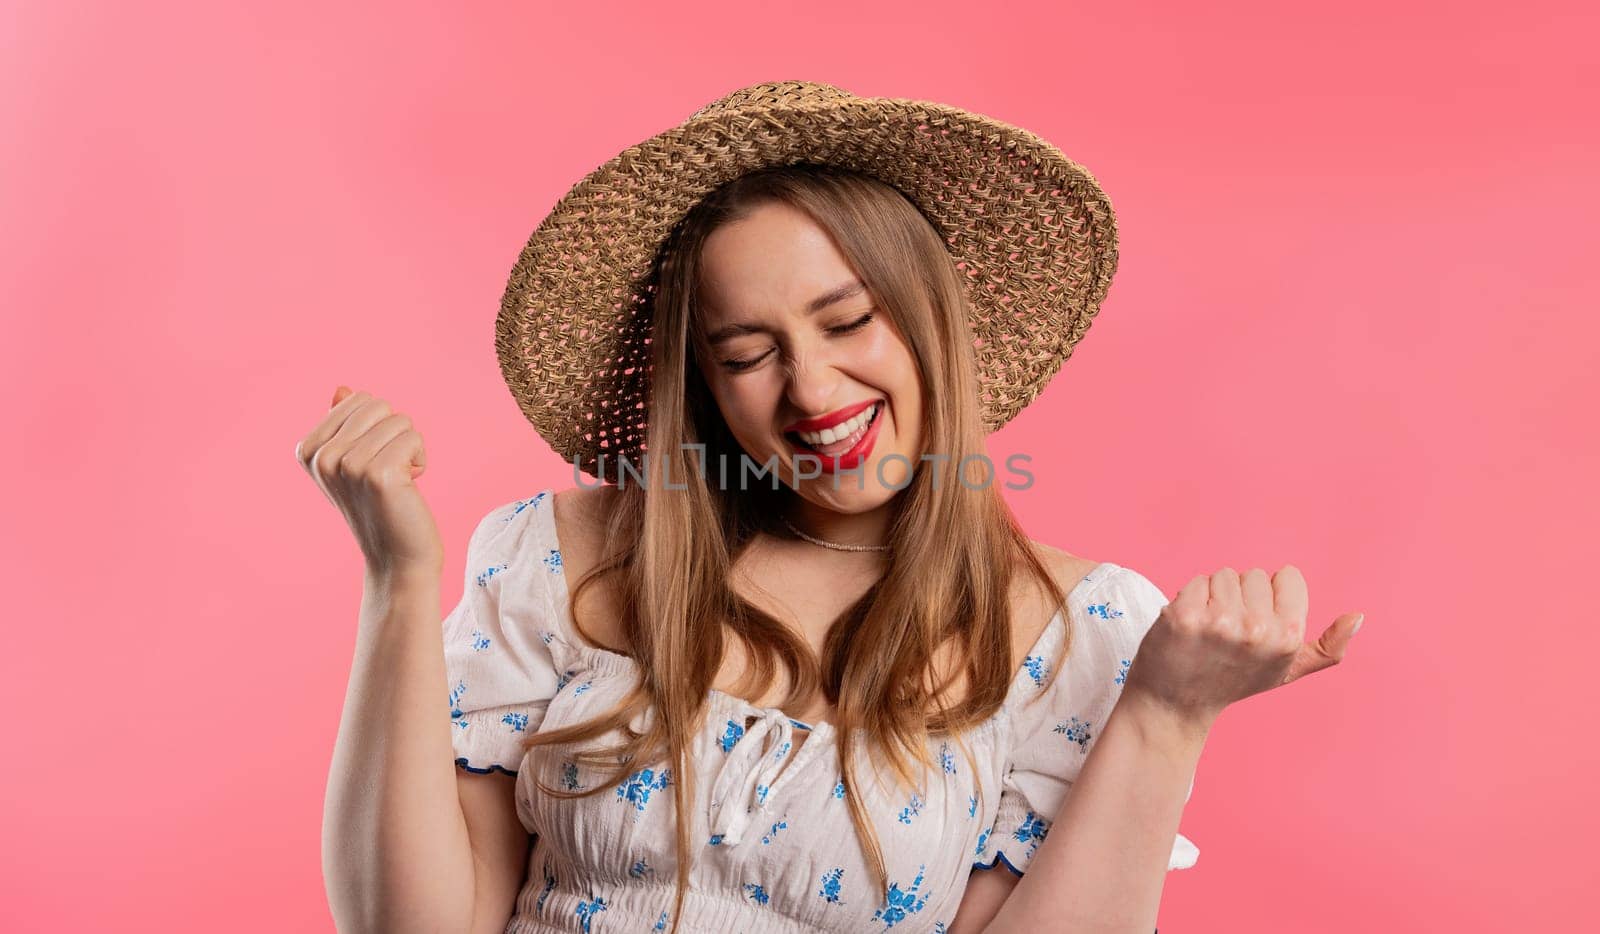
956,548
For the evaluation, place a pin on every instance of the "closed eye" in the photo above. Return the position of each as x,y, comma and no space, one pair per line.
853,326
738,365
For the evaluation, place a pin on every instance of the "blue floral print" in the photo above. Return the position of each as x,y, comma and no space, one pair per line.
831,884
482,580
553,561
1122,673
1104,611
639,785
586,911
972,805
1033,828
730,736
569,776
946,759
480,642
1037,668
525,503
1031,831
772,834
899,904
640,869
757,893
661,923
838,789
544,893
911,810
517,721
1077,731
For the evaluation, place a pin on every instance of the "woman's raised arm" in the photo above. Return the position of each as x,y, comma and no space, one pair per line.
1225,637
395,851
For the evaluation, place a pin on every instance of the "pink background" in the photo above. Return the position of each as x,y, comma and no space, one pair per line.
1353,330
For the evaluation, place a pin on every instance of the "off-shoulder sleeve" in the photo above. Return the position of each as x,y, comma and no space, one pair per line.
497,653
1053,733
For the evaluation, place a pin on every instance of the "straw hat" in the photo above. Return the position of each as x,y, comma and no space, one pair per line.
1030,230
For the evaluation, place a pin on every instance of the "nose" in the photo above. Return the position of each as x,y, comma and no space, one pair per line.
813,385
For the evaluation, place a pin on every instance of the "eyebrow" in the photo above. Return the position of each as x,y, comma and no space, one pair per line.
833,296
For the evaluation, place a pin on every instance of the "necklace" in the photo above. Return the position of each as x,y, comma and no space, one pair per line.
836,546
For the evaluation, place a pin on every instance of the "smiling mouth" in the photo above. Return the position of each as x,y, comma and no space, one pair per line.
813,442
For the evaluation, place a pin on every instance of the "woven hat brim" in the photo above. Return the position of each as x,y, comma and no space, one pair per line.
1030,229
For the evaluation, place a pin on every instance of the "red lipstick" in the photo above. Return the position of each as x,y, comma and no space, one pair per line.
831,419
853,458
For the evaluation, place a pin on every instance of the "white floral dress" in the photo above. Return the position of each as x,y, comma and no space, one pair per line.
776,843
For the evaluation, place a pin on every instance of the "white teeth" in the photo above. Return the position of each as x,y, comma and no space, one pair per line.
839,432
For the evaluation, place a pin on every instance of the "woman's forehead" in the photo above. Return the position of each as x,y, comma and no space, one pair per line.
778,262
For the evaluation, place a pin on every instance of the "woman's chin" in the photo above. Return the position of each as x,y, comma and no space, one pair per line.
856,490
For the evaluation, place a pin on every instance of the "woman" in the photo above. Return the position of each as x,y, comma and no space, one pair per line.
801,614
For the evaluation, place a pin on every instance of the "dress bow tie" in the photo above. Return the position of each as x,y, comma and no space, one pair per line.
744,785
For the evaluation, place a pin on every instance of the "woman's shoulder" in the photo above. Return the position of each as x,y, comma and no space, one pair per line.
1032,608
1067,570
581,516
1100,581
583,506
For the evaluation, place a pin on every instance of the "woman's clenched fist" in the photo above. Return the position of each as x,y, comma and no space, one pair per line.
365,458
